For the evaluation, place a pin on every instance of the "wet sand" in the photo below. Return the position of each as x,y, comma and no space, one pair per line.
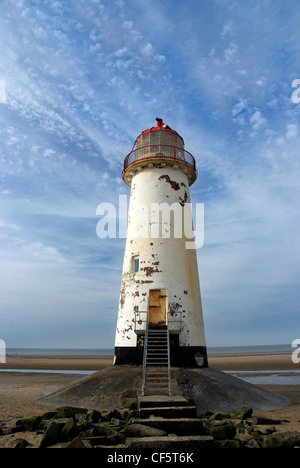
39,362
246,362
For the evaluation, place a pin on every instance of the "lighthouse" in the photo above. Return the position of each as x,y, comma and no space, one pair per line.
160,288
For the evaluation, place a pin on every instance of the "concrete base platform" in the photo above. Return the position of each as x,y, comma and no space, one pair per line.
103,391
214,390
211,390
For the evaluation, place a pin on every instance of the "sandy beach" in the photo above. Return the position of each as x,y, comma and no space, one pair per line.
19,389
226,362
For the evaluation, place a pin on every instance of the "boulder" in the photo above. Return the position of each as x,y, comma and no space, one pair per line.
51,435
79,442
243,412
286,439
69,430
29,424
22,443
70,412
93,416
226,431
259,420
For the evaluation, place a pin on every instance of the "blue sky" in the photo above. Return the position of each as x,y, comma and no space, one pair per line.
78,82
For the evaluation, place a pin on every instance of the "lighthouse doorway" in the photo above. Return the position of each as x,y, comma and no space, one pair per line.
157,316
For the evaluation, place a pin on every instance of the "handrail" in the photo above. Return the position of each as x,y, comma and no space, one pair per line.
169,362
139,321
166,151
174,319
145,360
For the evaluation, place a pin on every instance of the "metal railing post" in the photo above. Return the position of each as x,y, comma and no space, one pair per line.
145,360
169,362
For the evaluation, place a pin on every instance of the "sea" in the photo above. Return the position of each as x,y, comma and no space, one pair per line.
109,351
265,377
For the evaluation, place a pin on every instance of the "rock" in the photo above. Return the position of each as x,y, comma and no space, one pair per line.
79,442
141,430
226,431
49,415
259,420
93,416
15,429
51,435
287,439
70,412
243,437
122,414
103,429
117,422
29,424
69,430
218,416
111,436
244,427
266,430
114,439
232,443
243,412
22,443
252,443
130,403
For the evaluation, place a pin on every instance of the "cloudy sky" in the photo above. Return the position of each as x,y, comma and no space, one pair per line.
79,80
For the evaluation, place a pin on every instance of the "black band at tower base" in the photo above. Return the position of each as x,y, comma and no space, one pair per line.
181,356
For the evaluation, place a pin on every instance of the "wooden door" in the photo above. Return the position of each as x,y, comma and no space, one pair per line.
157,307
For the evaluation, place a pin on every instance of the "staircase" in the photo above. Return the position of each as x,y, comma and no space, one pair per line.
156,368
177,417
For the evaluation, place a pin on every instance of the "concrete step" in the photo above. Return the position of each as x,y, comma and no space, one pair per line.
157,344
157,400
154,358
153,378
157,379
157,384
176,442
157,362
160,373
169,412
163,391
158,338
178,426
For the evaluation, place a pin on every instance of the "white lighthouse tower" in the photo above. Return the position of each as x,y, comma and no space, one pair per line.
160,283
